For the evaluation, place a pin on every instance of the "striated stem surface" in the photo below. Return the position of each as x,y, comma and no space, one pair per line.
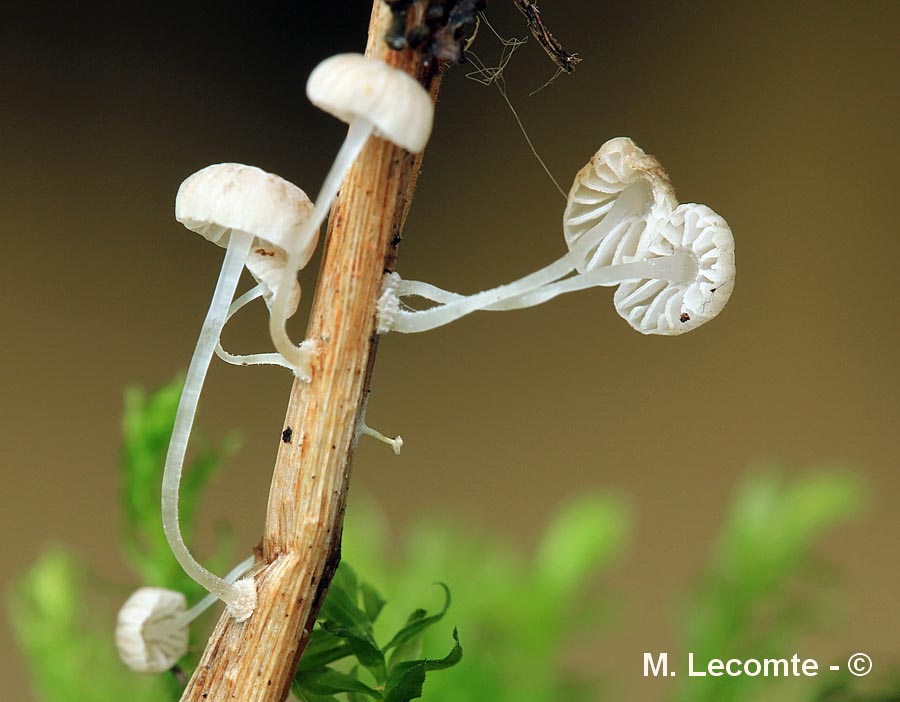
255,661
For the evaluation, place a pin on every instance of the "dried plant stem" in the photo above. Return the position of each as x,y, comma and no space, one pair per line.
255,661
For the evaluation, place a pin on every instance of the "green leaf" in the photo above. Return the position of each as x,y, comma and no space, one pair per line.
411,649
323,649
418,622
589,533
362,646
373,602
327,681
448,661
346,581
407,679
342,618
311,696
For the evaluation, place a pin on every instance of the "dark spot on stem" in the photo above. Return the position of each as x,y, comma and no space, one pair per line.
286,435
685,317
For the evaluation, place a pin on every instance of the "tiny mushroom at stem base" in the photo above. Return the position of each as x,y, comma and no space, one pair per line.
152,625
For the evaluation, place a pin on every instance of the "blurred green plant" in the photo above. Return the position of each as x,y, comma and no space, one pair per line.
65,638
523,616
763,587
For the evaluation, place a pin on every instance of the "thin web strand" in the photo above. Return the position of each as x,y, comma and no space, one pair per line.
486,75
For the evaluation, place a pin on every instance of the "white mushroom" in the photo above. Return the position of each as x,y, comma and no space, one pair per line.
373,98
619,206
654,307
150,636
152,625
611,201
238,207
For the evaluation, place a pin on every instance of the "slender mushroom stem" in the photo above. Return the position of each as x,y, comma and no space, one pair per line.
627,212
677,268
298,356
396,443
208,601
239,245
253,359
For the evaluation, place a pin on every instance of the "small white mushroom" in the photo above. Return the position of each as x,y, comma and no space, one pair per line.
621,225
152,625
240,208
150,634
374,99
611,202
655,307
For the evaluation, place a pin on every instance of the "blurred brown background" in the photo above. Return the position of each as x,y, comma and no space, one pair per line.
780,116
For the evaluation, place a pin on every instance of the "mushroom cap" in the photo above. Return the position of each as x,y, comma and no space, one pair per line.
619,168
351,86
150,634
266,264
227,196
664,307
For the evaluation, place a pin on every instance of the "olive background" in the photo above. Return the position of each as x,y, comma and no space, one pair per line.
780,116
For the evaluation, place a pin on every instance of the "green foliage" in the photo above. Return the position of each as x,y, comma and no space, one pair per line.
49,603
521,616
69,649
759,590
345,630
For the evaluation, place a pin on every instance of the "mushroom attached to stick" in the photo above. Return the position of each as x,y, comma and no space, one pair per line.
623,226
152,625
242,209
373,98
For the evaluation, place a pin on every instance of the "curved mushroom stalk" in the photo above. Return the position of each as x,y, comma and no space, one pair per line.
236,598
267,264
298,356
514,296
681,276
374,99
393,317
252,359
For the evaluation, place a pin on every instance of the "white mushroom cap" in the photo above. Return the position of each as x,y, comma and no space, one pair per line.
151,634
664,307
266,264
619,168
351,86
226,196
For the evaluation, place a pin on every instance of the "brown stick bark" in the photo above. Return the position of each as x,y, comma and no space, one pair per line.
256,661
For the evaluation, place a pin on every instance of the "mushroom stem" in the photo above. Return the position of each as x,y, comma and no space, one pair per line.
298,356
396,443
254,359
676,268
208,601
454,306
239,245
528,291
